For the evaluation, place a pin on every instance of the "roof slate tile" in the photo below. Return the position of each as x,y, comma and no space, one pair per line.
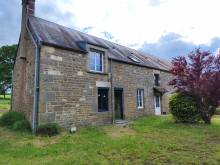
61,36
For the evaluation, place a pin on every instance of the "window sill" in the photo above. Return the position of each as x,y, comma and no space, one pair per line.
140,108
94,72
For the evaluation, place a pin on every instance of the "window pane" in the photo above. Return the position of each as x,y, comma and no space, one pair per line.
157,101
91,61
102,100
98,68
156,79
105,100
99,100
101,62
92,55
97,58
92,67
140,98
95,61
98,62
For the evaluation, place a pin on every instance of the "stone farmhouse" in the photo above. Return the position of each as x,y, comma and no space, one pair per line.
68,77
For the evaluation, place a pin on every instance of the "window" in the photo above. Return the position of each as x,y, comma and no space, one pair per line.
96,60
140,98
134,59
102,99
157,100
156,79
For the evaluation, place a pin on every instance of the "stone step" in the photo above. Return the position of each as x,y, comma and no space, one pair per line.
121,122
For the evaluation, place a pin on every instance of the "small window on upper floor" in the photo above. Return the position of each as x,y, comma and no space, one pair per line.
156,79
134,59
96,59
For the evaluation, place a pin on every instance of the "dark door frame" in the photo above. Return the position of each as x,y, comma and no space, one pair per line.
122,100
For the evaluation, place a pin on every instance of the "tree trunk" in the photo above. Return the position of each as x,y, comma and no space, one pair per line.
206,117
208,120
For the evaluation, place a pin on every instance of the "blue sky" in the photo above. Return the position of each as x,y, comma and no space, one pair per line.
165,28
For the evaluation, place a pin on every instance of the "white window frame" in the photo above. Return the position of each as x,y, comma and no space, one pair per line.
102,58
140,98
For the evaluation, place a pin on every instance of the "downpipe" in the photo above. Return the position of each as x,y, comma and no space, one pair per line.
36,81
112,105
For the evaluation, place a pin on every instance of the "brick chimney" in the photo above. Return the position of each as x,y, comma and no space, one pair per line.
28,6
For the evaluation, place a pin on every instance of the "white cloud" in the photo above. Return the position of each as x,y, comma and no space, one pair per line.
131,22
136,21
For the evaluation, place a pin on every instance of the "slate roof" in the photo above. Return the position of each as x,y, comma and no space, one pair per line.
50,33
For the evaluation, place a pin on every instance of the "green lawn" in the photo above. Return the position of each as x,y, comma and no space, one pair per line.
150,140
4,103
7,97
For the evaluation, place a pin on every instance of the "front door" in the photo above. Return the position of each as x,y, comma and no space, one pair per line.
157,105
118,104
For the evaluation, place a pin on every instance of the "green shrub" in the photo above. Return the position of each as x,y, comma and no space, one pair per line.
8,119
184,108
21,125
49,129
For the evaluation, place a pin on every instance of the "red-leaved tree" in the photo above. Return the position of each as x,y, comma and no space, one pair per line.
199,76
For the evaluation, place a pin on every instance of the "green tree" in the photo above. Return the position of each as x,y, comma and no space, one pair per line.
7,58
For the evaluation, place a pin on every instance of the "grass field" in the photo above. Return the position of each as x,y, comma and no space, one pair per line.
4,103
150,140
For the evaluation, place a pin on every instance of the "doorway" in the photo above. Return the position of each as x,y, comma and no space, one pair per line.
118,98
157,105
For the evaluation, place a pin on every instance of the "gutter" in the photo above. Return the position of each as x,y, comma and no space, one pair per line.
111,79
63,47
140,65
38,45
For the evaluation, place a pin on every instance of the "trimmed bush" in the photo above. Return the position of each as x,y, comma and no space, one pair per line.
21,125
8,119
49,129
184,108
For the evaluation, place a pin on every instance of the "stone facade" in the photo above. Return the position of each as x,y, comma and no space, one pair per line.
68,90
130,78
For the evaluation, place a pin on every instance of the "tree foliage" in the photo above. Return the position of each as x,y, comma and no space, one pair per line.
199,76
7,57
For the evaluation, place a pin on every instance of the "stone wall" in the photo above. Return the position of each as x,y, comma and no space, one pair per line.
68,91
23,78
131,78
